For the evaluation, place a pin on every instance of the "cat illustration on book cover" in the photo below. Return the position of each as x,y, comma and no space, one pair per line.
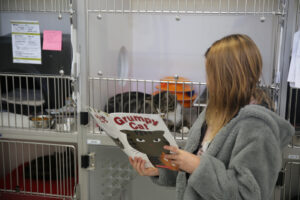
151,143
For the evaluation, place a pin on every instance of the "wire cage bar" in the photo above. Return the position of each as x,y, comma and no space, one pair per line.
235,7
43,169
37,102
178,102
54,6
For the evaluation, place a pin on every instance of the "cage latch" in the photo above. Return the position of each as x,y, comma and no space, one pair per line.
280,179
17,188
88,161
84,118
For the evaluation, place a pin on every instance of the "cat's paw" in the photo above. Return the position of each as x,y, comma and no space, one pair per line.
184,130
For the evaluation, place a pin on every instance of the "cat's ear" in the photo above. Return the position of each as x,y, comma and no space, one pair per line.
158,132
127,132
172,99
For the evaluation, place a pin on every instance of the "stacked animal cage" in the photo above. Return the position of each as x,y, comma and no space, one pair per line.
38,109
29,169
133,64
150,96
38,96
113,90
37,102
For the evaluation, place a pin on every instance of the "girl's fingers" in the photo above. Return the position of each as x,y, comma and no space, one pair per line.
171,156
139,166
171,148
135,163
130,161
143,170
177,163
143,166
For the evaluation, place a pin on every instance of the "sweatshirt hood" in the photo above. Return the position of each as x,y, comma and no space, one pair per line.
281,128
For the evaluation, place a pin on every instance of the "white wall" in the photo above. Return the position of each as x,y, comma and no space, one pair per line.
161,46
106,38
164,46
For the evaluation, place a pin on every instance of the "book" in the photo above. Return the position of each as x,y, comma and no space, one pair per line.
138,135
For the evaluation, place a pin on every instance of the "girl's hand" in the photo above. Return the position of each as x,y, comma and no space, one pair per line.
186,161
139,165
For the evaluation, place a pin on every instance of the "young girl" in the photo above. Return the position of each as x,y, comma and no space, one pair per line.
234,147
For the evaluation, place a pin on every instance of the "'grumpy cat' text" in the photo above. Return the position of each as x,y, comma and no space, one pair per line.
132,119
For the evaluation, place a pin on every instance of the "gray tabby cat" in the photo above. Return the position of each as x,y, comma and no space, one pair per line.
163,103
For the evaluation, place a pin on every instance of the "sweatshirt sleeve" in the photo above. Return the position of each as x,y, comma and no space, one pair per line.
252,170
166,178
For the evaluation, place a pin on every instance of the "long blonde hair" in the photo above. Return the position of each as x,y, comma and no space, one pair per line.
233,68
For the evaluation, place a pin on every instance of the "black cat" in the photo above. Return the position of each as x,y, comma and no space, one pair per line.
137,102
56,166
149,142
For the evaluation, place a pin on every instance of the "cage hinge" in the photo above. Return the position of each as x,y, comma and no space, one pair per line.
76,195
280,179
75,83
73,13
88,161
84,118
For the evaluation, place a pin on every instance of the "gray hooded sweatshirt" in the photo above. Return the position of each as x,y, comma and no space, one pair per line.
242,161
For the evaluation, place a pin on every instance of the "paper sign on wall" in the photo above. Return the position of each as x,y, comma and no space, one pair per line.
52,40
26,42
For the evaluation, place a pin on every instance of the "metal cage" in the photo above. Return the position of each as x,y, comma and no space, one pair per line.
37,102
133,95
32,168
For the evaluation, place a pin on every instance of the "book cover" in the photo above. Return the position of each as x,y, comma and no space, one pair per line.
138,135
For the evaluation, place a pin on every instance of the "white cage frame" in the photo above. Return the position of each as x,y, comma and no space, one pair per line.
256,7
60,87
51,6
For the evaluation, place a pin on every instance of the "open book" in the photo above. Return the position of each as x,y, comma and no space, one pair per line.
138,135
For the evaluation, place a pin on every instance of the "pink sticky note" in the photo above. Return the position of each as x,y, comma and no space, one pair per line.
52,40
